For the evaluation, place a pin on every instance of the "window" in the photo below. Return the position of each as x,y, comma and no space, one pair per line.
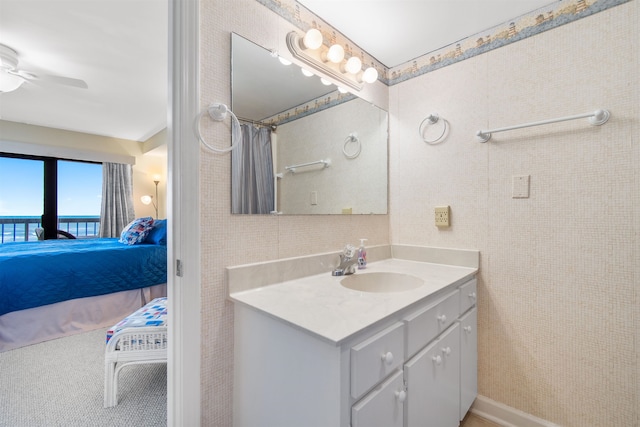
48,192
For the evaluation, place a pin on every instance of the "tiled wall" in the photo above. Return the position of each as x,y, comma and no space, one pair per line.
560,270
559,309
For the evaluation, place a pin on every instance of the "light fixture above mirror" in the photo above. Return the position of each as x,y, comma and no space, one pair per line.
330,61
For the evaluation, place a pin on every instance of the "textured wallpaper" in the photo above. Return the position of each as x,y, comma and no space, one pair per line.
560,277
558,291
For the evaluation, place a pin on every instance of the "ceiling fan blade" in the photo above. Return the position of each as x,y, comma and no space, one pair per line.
66,81
49,78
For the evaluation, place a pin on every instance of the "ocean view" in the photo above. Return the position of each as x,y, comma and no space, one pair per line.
22,228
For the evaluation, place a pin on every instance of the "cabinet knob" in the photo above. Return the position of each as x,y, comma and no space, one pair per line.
387,358
467,329
442,318
401,395
472,295
437,360
446,351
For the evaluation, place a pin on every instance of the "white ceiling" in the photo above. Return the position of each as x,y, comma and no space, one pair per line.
397,31
119,48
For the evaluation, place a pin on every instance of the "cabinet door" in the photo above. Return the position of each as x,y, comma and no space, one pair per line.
382,406
468,361
433,383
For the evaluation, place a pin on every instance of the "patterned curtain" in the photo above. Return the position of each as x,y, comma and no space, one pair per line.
117,199
252,189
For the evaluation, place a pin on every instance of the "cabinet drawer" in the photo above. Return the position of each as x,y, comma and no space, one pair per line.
426,324
468,295
375,358
383,406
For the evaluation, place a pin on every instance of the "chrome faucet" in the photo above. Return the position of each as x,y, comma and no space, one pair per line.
348,261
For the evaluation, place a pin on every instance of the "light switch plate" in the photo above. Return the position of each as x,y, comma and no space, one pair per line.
520,186
443,215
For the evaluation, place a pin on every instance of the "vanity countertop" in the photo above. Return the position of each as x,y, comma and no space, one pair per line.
320,305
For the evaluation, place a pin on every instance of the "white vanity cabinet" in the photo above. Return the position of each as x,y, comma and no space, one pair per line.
433,382
415,368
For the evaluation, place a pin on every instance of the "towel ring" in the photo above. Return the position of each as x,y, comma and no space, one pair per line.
353,137
432,119
218,112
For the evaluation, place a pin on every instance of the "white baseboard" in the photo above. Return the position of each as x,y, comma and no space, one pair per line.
506,416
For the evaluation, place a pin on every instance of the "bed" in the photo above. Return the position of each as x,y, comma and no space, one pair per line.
55,288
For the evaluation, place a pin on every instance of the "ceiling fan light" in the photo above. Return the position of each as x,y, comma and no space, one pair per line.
9,82
312,39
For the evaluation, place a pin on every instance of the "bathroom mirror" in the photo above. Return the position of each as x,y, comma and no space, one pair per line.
320,151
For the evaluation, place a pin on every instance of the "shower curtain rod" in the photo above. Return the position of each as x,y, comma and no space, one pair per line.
596,118
258,123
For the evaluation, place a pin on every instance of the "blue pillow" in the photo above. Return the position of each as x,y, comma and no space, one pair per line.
158,233
136,231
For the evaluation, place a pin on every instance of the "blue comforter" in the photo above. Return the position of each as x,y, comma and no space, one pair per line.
33,274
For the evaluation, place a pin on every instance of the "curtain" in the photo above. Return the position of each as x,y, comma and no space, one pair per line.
252,171
117,199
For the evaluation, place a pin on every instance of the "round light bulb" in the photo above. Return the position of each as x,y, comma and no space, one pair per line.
284,61
342,90
325,81
353,65
306,72
312,39
146,200
335,54
370,75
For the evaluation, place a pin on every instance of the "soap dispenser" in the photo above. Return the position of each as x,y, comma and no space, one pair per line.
362,255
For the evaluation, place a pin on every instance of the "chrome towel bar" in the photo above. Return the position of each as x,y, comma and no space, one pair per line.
596,118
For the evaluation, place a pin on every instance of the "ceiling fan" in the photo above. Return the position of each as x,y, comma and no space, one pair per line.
12,77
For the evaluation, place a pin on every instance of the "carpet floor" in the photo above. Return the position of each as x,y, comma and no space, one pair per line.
61,383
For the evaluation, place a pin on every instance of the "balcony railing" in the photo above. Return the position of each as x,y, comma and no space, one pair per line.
22,228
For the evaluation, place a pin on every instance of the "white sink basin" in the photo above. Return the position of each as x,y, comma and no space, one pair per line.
381,282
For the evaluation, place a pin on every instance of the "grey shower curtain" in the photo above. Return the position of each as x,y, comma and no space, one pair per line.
252,171
117,199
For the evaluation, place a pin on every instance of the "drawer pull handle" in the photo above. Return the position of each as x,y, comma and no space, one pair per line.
472,295
442,318
401,395
387,358
467,329
437,360
446,351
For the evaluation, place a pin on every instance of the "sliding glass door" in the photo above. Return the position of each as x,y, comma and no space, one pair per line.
48,193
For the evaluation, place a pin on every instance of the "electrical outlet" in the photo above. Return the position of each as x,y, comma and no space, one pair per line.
443,214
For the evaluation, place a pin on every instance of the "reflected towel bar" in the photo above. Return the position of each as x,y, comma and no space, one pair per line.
293,168
596,118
